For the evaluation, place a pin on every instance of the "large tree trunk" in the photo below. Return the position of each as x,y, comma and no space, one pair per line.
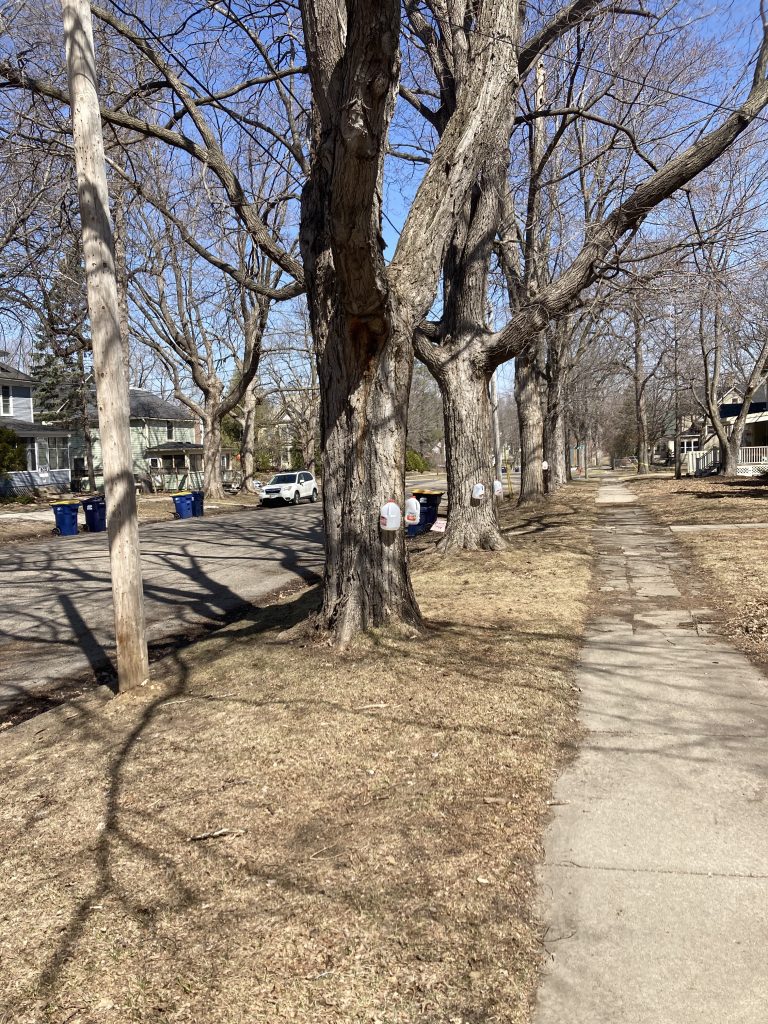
729,452
554,424
248,441
566,442
530,415
213,485
366,582
472,524
639,380
641,427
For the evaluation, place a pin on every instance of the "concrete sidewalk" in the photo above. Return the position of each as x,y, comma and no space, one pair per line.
655,885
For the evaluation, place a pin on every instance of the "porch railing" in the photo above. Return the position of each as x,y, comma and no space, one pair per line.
756,456
706,461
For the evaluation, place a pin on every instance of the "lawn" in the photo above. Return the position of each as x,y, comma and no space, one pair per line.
271,831
729,564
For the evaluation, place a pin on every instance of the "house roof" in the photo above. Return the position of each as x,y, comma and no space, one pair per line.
26,429
8,372
174,447
147,406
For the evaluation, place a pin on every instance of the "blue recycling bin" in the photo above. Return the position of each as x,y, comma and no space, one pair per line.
65,514
182,502
198,503
95,513
430,503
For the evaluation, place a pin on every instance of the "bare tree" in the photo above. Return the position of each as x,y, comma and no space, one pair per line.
195,318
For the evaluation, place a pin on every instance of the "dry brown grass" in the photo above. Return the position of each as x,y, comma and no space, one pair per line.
696,500
730,565
386,809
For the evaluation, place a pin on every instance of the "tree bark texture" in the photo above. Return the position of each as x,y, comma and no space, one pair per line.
472,524
554,423
213,484
364,313
248,441
639,381
455,358
528,395
363,346
366,582
109,368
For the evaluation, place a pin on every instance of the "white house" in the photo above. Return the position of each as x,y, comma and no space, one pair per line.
47,447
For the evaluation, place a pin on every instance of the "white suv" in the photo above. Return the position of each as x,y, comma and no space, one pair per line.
290,487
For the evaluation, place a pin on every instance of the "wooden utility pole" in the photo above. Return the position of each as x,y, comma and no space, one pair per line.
108,367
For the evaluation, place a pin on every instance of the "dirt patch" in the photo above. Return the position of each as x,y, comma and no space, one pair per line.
728,566
367,825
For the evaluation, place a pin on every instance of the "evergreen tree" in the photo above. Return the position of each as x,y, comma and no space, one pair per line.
12,454
61,363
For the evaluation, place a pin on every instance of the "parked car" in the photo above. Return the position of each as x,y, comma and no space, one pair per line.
289,488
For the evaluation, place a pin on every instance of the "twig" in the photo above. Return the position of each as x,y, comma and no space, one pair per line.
217,834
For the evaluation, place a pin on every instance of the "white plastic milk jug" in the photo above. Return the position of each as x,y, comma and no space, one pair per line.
390,517
498,489
478,491
412,511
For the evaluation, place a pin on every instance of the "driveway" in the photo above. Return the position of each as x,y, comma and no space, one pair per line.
56,613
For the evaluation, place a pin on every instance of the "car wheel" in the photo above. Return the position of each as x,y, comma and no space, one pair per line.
296,498
313,499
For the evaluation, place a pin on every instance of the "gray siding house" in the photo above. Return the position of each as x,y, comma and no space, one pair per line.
167,453
47,447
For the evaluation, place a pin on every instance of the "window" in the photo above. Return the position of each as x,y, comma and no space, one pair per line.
31,455
195,463
173,464
6,405
78,465
169,430
42,453
225,460
52,453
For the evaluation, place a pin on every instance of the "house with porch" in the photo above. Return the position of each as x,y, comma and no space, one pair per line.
165,443
753,454
46,447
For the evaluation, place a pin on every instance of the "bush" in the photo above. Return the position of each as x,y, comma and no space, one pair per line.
13,457
414,462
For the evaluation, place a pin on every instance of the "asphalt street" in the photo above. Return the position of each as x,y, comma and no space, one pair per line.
56,612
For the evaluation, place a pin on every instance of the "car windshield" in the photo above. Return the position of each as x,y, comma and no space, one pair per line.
284,478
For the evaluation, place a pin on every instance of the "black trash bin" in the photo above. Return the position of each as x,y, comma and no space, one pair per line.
95,513
198,503
430,503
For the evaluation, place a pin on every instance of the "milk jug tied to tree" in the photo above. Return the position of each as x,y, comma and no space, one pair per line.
390,517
